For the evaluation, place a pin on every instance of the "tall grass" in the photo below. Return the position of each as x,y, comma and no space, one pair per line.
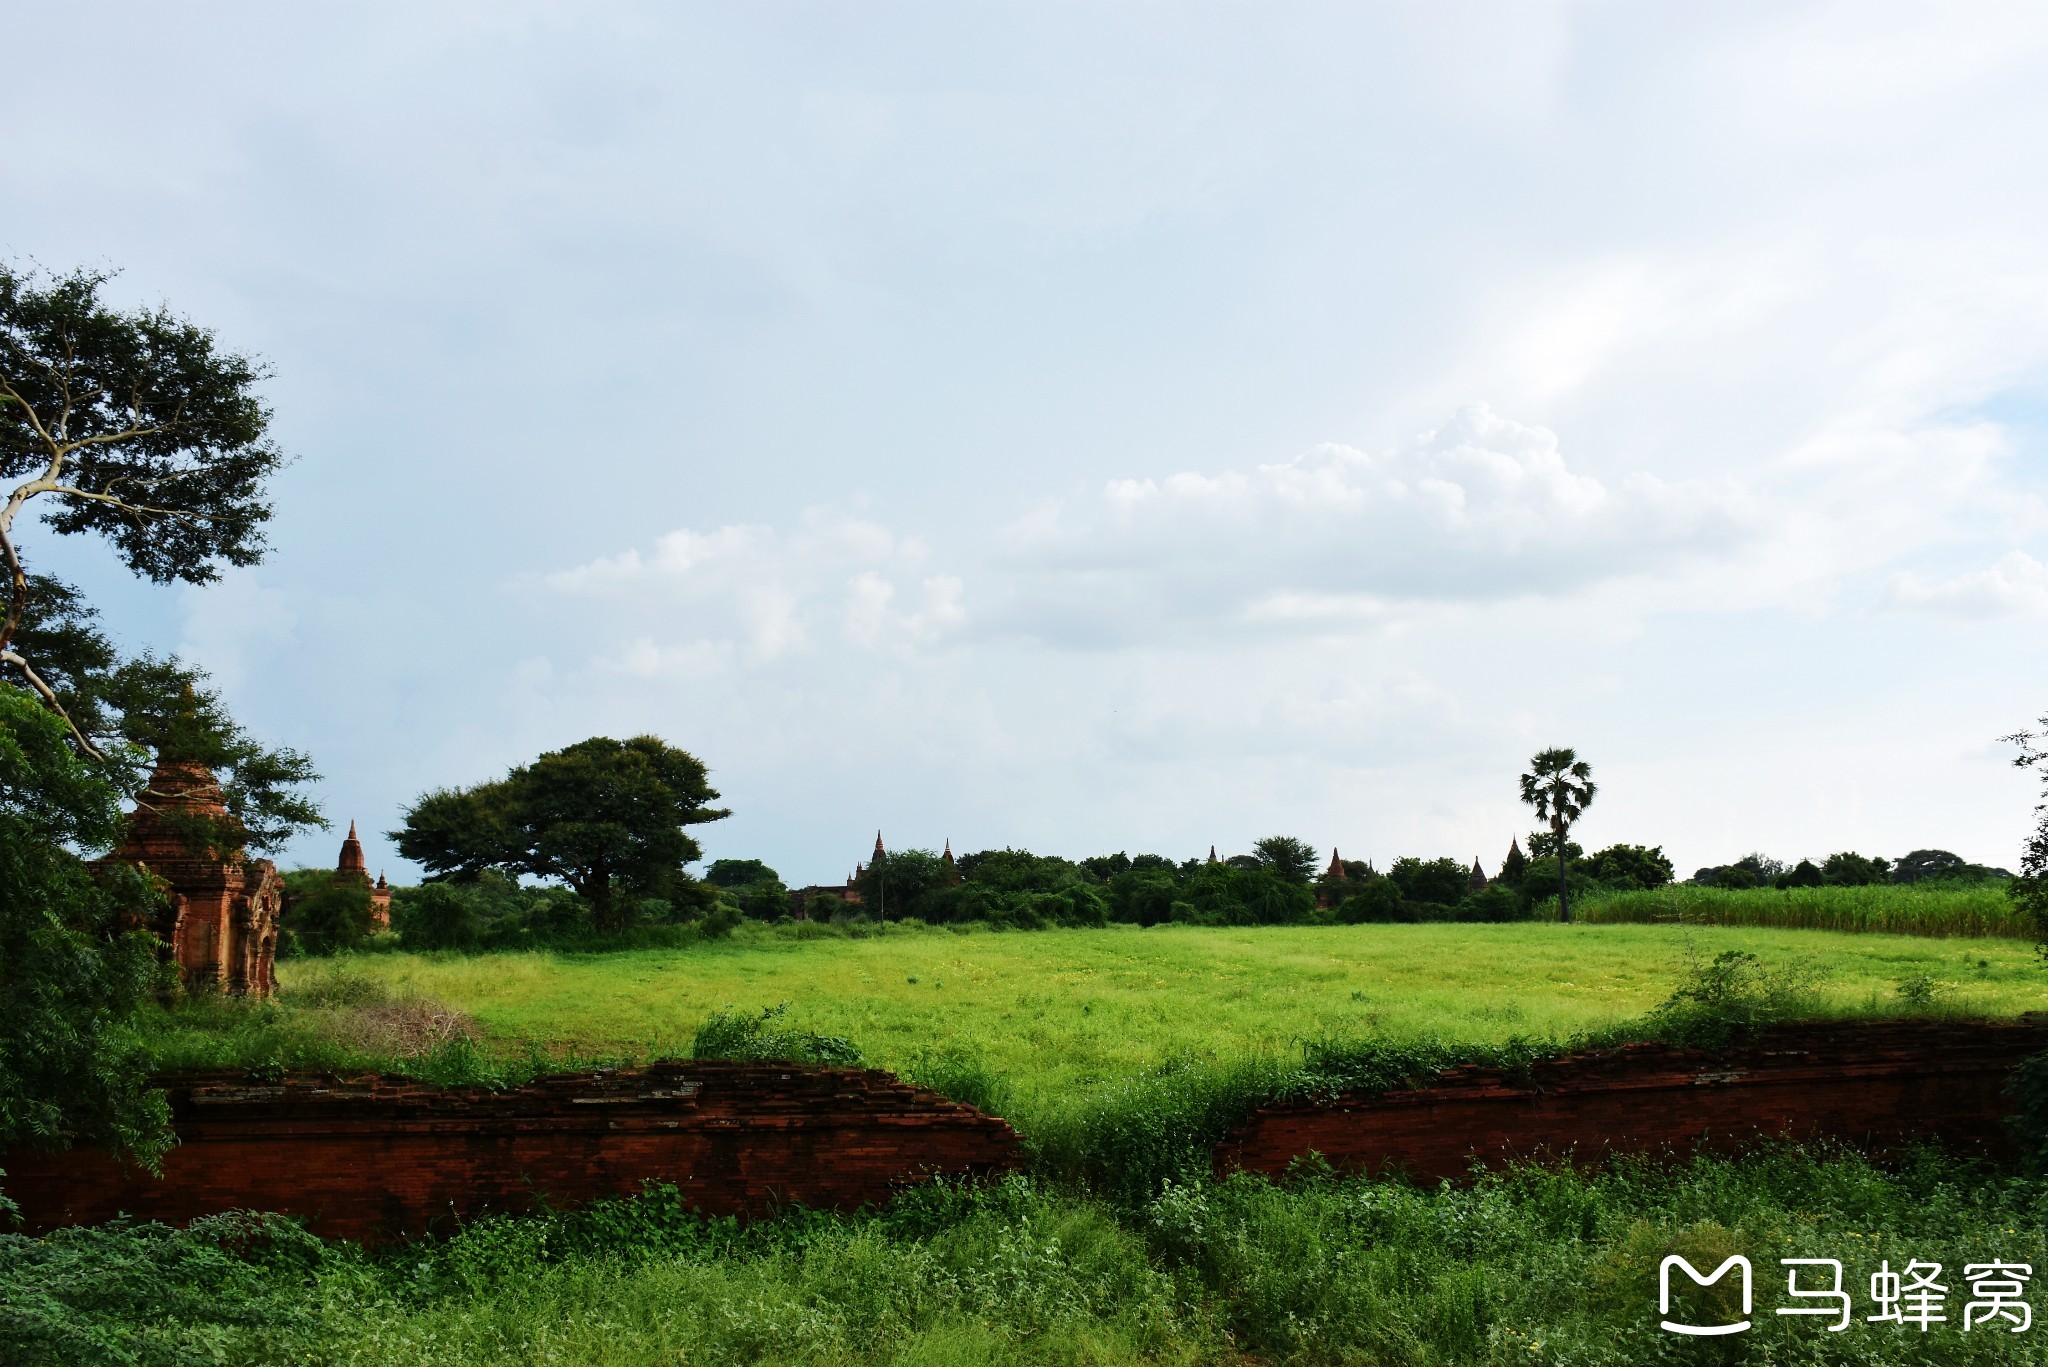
1881,909
1531,1266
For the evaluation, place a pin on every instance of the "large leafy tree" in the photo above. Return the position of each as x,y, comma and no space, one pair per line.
1559,787
602,815
134,426
1289,859
138,428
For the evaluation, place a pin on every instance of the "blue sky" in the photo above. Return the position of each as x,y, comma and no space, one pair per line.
1099,427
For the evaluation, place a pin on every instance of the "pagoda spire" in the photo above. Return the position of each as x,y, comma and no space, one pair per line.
1336,869
351,860
879,851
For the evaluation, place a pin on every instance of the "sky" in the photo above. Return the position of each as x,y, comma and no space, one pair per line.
1098,427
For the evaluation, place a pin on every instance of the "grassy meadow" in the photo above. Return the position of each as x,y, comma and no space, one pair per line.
1122,1053
1061,1012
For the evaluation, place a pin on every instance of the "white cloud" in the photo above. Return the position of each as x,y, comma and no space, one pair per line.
2017,586
751,595
1482,510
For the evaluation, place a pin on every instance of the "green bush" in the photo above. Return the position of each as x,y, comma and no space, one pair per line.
745,1035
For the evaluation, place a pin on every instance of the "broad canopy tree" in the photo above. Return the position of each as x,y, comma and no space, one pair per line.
604,816
136,427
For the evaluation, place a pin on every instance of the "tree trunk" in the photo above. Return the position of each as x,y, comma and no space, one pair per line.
1564,906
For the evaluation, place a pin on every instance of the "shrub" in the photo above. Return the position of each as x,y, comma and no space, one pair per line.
745,1035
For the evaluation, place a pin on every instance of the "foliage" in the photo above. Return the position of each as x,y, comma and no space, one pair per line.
1443,882
1289,859
2029,891
73,969
1734,994
735,1034
326,911
1558,788
1940,909
1630,866
606,817
1530,1264
1804,874
135,427
1848,869
739,873
897,883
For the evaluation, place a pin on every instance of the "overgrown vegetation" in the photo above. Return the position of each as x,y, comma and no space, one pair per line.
1533,1265
1947,909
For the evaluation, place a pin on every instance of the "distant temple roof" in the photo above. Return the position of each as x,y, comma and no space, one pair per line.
352,855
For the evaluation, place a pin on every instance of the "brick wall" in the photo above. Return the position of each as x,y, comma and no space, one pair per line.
1872,1084
371,1157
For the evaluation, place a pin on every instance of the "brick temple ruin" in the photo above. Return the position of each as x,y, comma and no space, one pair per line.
221,909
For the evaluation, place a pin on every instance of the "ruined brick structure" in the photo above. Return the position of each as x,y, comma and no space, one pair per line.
1874,1084
222,908
378,1157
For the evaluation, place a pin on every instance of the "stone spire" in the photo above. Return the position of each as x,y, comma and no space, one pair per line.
952,870
1336,869
879,851
1212,854
1478,879
352,855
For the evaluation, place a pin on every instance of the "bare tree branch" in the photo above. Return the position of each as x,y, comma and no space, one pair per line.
49,695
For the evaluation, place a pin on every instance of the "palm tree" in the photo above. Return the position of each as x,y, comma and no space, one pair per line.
1559,785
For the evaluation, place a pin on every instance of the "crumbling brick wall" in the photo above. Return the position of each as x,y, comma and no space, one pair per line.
373,1157
1874,1084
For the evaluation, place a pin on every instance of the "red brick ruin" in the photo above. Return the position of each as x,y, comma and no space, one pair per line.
1873,1084
220,922
376,1157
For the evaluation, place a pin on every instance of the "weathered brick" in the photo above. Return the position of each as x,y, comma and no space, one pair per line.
372,1157
1873,1084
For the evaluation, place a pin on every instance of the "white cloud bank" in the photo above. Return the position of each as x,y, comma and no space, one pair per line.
2017,586
754,595
1481,511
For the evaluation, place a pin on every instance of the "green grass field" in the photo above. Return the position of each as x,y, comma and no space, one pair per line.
1888,909
1058,1013
1119,1248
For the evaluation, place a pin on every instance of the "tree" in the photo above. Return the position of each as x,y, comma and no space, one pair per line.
602,815
2029,890
1291,860
1804,874
74,962
1848,869
1631,866
1924,866
330,913
1559,787
133,426
738,873
1438,882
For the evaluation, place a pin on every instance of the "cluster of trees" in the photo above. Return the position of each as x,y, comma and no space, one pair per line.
1846,869
138,428
1280,881
608,819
